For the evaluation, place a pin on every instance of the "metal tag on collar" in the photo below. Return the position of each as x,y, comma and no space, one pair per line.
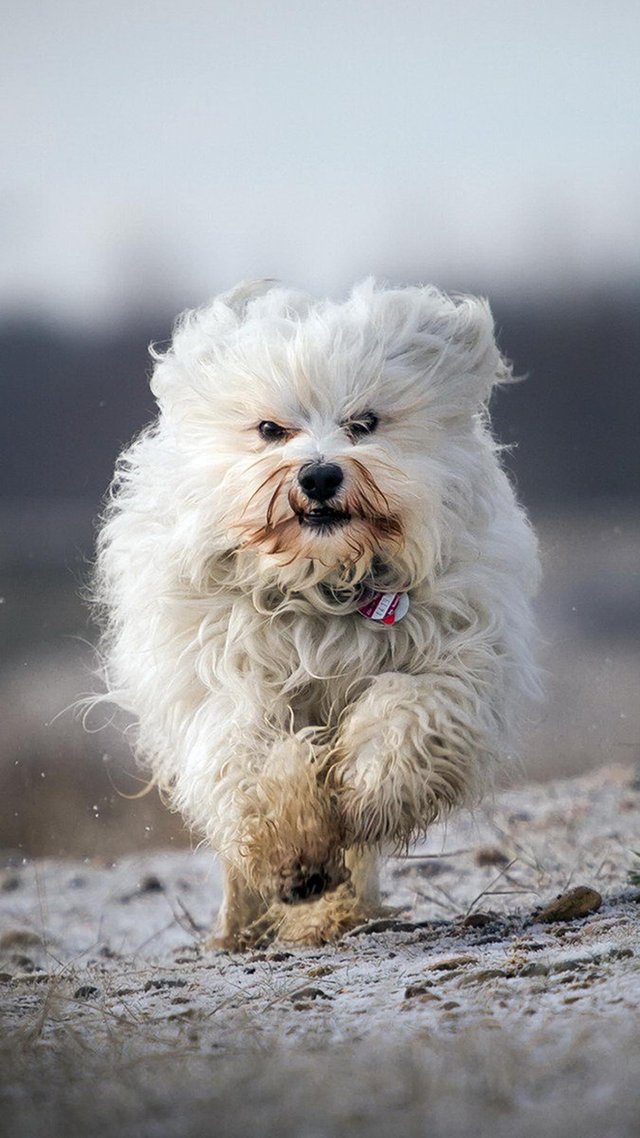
385,608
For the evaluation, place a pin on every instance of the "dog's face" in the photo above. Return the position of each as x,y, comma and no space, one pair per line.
323,492
322,441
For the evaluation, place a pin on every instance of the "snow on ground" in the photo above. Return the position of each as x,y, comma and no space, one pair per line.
463,1015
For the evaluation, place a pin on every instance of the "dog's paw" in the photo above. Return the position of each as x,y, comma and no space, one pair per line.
302,880
369,811
393,786
324,920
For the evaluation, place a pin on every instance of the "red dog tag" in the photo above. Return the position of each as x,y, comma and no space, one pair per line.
387,608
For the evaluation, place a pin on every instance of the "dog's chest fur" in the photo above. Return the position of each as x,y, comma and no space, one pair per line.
313,663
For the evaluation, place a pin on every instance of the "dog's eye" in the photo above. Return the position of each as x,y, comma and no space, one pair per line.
271,432
363,425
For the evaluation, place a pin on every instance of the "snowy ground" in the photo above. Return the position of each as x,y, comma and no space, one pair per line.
466,1016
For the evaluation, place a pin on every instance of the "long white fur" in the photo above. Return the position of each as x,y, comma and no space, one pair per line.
278,719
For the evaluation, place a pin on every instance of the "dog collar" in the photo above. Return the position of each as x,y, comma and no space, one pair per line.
385,608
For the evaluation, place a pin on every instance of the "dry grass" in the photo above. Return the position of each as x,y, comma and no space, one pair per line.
461,1017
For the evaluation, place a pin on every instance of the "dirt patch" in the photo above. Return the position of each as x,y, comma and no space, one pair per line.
462,1014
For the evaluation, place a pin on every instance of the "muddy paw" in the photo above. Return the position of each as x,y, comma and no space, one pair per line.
301,881
324,919
307,878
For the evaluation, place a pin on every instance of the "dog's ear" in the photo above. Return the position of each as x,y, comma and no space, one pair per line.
451,341
473,334
199,335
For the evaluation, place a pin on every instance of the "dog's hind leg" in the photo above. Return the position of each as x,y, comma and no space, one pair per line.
242,906
362,864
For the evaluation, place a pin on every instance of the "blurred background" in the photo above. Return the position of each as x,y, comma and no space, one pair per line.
155,154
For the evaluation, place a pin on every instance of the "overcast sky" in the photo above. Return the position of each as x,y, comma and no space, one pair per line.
156,152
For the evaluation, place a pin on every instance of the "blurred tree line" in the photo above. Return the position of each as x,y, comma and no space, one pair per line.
72,399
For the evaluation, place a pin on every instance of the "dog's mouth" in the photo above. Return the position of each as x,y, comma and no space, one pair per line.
324,518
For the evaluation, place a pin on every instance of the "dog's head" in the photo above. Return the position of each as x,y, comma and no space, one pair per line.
322,441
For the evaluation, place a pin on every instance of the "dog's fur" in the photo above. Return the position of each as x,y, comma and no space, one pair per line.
299,736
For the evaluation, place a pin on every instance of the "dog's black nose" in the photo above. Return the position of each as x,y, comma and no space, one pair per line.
320,480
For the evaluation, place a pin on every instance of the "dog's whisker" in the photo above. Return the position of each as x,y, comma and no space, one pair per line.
267,480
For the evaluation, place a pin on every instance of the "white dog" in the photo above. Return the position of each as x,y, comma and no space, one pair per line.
316,583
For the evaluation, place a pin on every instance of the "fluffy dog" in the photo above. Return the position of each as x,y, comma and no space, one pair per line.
315,581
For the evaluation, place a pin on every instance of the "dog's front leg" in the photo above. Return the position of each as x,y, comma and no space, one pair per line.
276,827
409,749
276,823
290,877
